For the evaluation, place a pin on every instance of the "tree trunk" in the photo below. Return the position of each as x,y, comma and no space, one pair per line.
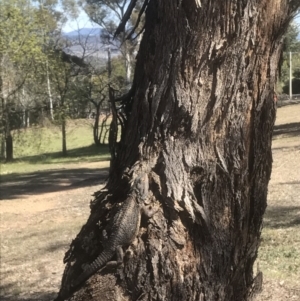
2,150
96,126
49,91
128,66
104,130
24,118
64,136
201,115
96,134
9,147
27,118
2,122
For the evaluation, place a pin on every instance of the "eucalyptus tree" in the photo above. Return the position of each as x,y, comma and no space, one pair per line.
108,14
196,145
291,44
63,71
53,14
20,47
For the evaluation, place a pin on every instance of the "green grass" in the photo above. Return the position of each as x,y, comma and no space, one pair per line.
279,253
39,148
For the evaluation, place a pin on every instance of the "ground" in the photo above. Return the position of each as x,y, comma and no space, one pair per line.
41,212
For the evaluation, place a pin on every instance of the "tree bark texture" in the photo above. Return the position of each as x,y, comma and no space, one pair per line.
200,128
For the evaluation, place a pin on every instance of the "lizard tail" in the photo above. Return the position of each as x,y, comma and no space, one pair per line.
92,268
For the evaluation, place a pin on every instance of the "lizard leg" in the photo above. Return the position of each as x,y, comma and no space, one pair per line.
120,257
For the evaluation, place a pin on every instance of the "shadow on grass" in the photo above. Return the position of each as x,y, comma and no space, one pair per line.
277,217
285,148
288,129
15,185
57,246
290,183
11,292
90,153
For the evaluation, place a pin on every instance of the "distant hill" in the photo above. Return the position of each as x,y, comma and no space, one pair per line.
83,32
87,41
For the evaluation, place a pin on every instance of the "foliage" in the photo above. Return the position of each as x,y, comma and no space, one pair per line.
20,49
291,44
40,77
295,85
295,72
19,38
29,43
109,14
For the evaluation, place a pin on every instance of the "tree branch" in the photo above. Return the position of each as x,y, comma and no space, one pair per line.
125,18
138,20
294,6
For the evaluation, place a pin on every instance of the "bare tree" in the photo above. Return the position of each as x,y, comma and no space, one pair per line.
108,13
93,88
196,145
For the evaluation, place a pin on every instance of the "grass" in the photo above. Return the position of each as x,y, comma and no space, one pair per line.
37,245
35,234
279,254
39,148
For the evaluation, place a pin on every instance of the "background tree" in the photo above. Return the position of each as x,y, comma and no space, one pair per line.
50,18
63,70
291,43
20,48
197,142
108,14
92,86
37,77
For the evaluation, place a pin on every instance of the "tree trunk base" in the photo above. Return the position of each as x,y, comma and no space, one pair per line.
101,287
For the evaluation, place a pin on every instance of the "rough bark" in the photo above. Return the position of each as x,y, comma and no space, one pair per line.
201,114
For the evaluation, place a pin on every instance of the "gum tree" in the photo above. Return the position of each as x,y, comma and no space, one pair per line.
197,135
108,14
20,49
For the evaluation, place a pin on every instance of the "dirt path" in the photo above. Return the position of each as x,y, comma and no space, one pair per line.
42,212
38,222
25,185
279,255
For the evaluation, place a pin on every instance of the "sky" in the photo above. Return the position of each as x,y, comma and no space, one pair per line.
83,21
